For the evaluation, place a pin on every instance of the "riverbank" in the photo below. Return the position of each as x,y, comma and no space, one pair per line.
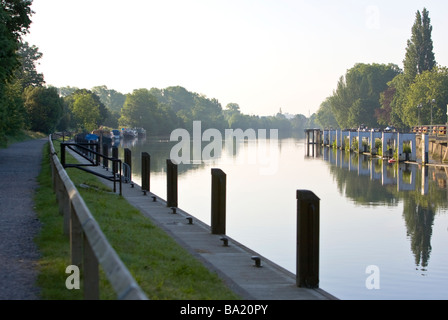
163,269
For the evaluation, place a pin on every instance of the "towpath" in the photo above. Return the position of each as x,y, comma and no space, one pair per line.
20,165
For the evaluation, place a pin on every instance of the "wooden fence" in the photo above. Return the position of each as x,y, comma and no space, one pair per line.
89,247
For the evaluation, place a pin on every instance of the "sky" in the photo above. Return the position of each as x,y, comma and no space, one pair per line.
264,55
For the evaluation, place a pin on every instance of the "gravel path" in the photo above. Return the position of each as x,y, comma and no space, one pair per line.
19,167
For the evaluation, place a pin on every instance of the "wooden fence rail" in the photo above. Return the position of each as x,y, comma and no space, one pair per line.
89,247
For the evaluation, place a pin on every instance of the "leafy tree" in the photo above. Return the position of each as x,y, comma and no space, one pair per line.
233,108
209,111
325,116
190,106
14,114
111,98
86,112
44,108
27,74
397,100
19,16
86,109
177,97
140,110
14,22
419,52
67,91
240,121
299,124
357,96
230,110
282,124
430,89
8,47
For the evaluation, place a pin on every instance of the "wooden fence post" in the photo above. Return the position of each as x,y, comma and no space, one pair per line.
91,273
76,238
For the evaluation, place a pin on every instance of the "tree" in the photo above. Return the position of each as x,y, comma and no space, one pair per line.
112,99
14,114
209,111
430,90
397,107
27,74
19,16
86,109
86,112
44,108
325,116
140,110
67,91
8,47
190,106
299,123
419,52
14,22
357,96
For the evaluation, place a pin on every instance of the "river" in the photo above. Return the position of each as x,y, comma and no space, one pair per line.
383,227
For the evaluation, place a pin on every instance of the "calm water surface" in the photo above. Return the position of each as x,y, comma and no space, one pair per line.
371,213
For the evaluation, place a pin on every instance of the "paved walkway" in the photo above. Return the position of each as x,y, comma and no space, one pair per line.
20,164
233,262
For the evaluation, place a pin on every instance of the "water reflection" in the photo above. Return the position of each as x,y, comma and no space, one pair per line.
372,182
373,213
261,152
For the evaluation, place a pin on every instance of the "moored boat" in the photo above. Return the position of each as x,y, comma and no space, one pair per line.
129,134
116,134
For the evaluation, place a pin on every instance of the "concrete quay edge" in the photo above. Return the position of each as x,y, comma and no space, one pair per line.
233,263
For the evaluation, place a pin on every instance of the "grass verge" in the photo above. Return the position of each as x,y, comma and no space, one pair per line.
163,269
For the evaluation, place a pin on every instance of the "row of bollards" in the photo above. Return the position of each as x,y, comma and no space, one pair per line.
308,212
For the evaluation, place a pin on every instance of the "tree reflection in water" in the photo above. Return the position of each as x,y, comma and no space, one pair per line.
372,182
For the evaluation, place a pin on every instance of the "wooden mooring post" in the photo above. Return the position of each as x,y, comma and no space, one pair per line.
218,217
146,172
171,192
128,160
307,239
115,156
105,156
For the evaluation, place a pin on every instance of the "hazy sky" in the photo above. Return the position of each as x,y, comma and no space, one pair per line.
262,54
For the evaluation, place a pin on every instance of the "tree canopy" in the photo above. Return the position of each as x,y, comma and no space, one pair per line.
44,108
15,19
357,96
86,109
383,95
419,52
407,90
26,74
